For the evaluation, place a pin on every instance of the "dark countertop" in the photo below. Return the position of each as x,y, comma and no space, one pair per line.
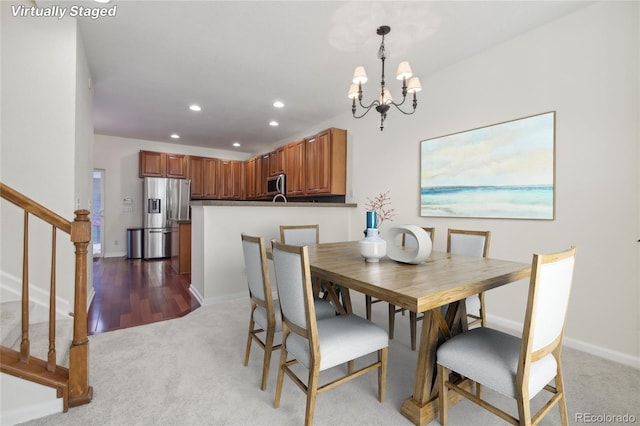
229,203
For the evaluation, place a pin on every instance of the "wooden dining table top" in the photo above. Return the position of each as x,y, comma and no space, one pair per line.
441,279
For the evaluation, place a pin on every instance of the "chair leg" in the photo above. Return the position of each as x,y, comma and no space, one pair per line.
382,373
413,325
442,389
392,319
249,338
268,349
524,409
562,402
283,360
367,306
312,393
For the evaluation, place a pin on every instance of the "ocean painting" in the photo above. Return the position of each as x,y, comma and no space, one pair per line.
505,170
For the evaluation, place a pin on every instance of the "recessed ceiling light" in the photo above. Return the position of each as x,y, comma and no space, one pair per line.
273,123
195,107
278,104
236,144
175,136
102,1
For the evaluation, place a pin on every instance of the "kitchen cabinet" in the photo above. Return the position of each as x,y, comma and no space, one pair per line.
249,179
277,162
152,164
326,169
230,179
295,170
161,164
210,177
262,172
176,166
181,247
196,175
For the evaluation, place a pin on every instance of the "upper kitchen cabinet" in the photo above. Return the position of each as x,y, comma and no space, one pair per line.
230,179
249,179
262,173
277,161
152,164
196,174
160,164
326,165
210,177
295,168
177,166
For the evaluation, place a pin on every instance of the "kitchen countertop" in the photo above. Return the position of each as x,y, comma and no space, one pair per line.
229,203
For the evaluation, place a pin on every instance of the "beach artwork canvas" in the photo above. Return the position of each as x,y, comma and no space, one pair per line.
505,170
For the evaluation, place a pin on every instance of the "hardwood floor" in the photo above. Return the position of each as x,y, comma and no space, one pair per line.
131,292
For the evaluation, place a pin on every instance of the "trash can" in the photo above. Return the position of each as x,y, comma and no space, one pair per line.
134,243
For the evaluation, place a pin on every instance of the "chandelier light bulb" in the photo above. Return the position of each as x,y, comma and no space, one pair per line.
404,71
386,97
353,91
414,85
359,76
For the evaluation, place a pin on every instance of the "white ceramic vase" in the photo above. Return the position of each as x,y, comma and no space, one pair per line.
373,248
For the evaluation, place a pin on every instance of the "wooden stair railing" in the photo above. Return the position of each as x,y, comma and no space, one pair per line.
71,384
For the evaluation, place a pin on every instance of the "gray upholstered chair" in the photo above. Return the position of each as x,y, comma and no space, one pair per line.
265,310
300,235
319,344
516,367
471,243
413,318
306,235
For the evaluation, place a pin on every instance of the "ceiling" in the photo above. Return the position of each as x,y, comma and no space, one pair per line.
235,58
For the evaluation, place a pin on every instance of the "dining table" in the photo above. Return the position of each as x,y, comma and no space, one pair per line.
436,287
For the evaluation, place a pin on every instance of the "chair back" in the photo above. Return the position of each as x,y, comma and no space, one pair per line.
468,243
255,262
550,286
300,235
293,280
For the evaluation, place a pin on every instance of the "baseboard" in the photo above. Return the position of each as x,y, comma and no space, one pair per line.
11,290
515,328
194,291
115,254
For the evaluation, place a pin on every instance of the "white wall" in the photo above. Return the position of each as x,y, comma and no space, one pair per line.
45,138
585,67
217,264
120,159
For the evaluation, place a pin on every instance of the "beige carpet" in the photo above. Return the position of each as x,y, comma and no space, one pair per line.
189,371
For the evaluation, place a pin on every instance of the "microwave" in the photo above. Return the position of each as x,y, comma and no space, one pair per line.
277,184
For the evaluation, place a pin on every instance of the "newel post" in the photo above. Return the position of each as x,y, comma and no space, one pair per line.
79,390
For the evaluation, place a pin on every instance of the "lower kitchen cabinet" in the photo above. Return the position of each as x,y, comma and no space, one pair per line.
181,247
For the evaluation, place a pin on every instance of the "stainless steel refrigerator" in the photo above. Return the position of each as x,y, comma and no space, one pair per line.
165,200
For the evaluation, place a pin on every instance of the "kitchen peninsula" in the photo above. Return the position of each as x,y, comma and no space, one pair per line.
217,263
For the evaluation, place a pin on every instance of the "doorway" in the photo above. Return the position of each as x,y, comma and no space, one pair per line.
97,214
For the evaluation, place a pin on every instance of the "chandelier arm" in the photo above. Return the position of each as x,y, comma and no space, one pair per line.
367,109
400,109
371,105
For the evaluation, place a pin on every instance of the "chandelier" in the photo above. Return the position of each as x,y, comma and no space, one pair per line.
384,101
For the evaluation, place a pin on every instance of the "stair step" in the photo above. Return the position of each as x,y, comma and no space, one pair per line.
39,340
36,371
10,316
10,320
